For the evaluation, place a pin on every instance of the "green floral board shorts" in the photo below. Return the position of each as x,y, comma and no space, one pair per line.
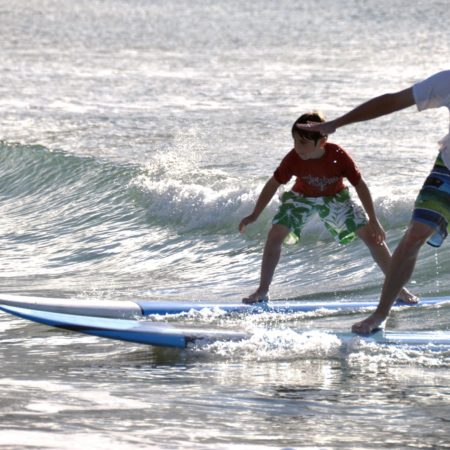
341,216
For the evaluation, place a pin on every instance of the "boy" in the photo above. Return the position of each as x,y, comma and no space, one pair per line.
320,167
430,220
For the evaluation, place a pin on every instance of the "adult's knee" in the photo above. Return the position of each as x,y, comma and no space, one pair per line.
417,234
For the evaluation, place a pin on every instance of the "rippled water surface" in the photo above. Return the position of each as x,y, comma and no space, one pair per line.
135,135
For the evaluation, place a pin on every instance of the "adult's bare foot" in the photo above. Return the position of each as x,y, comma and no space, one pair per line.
256,297
369,324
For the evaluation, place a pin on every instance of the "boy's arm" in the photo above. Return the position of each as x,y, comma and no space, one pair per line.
366,199
268,191
376,107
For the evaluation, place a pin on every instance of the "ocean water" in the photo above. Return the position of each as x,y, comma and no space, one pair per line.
134,137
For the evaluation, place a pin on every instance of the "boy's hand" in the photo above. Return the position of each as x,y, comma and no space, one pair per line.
377,231
246,221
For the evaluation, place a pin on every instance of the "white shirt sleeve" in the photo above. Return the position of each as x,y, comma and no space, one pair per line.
433,92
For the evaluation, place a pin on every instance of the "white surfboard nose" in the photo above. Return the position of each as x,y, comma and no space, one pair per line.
96,308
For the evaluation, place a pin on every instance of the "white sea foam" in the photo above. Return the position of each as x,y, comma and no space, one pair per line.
280,344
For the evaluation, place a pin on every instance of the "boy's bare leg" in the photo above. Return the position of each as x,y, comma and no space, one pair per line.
382,256
271,256
401,268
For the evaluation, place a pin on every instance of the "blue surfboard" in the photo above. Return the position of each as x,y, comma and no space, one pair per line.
140,308
167,335
138,331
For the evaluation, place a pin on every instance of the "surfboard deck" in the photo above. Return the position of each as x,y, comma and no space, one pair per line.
167,335
141,308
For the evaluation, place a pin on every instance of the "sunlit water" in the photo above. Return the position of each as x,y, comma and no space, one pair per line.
135,136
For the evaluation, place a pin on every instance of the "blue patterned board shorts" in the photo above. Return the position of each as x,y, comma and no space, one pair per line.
432,205
340,215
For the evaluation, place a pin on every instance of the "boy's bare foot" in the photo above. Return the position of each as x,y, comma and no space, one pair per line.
407,297
256,297
369,324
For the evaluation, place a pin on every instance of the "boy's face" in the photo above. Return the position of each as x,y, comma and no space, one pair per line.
308,149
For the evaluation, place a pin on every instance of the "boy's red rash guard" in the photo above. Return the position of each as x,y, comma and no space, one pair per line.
318,177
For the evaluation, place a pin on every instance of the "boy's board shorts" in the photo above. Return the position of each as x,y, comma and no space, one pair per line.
432,205
340,215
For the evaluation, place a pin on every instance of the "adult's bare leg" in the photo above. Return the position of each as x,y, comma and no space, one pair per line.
400,270
382,256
